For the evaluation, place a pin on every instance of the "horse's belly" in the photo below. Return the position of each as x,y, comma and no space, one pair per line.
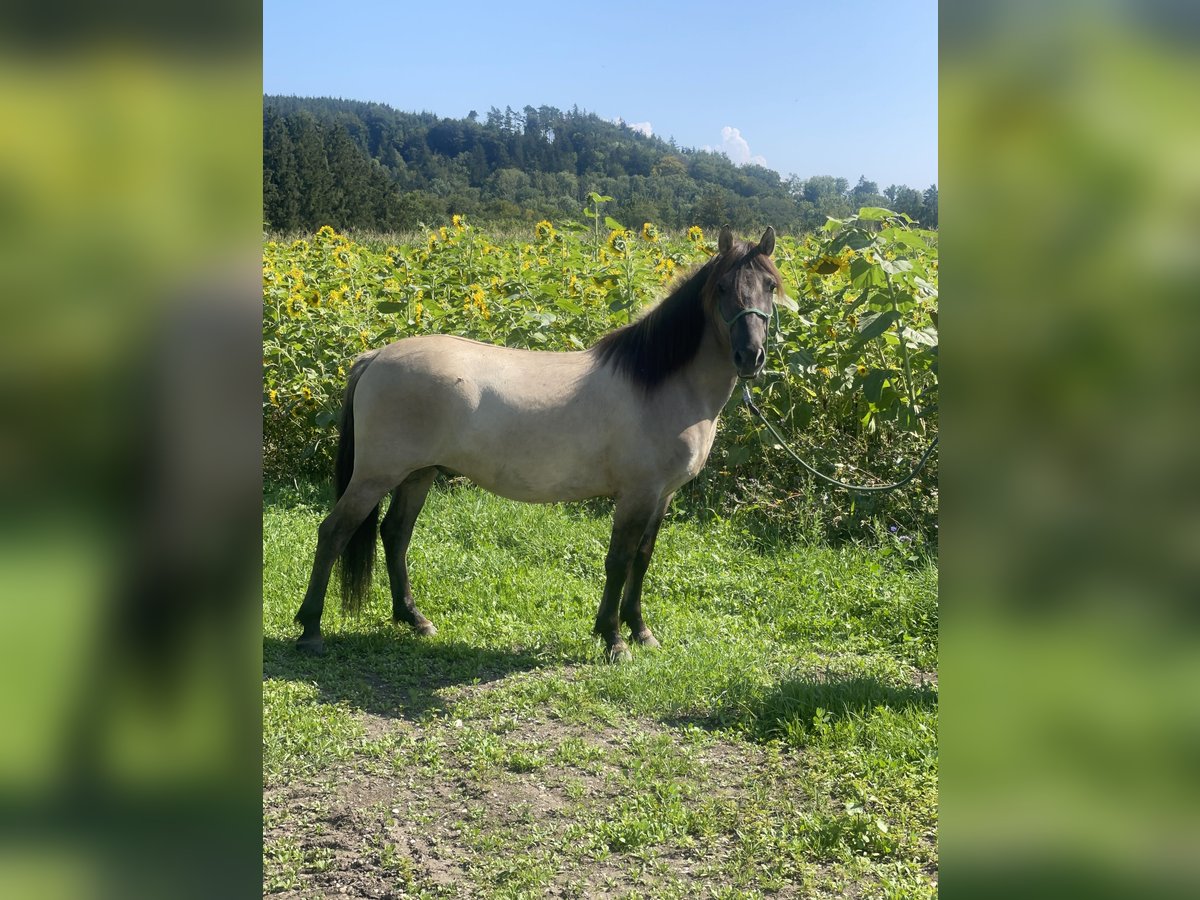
525,460
531,482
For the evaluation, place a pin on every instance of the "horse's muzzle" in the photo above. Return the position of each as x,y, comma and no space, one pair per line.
749,363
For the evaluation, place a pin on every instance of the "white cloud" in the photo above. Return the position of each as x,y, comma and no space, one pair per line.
643,127
736,148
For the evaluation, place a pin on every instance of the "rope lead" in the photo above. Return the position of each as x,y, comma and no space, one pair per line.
746,398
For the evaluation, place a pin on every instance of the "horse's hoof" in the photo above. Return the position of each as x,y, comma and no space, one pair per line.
618,653
314,646
645,639
422,626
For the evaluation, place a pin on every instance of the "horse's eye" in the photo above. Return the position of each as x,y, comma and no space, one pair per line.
771,286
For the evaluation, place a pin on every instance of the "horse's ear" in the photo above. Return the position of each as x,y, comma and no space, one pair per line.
725,241
767,244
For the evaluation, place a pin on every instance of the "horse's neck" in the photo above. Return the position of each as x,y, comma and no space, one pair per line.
710,375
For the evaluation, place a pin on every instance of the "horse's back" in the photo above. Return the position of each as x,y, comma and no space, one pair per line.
468,374
531,425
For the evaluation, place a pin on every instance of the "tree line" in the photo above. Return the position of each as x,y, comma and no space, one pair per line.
357,165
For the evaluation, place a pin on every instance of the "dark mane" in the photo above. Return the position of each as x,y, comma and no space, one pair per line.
665,339
668,337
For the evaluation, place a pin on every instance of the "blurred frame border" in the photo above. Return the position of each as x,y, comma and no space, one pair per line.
130,181
1070,569
130,371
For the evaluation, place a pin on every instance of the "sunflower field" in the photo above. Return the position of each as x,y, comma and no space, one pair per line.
851,375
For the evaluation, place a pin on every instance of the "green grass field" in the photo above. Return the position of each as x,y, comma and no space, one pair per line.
783,742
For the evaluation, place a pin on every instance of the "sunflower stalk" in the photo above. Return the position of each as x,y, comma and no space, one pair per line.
908,381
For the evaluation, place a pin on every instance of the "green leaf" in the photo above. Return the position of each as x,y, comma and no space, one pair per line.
854,239
873,384
801,360
613,224
863,273
859,302
873,326
924,336
874,213
390,306
905,237
787,303
569,305
325,417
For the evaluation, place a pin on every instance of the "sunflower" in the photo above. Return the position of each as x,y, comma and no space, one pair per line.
827,265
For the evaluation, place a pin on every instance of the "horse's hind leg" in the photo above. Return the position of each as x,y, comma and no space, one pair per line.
333,534
396,531
631,602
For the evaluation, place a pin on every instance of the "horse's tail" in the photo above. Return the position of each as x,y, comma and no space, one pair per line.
358,559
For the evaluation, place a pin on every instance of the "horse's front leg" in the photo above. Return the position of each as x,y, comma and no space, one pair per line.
631,602
630,521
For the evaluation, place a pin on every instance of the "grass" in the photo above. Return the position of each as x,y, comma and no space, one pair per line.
782,743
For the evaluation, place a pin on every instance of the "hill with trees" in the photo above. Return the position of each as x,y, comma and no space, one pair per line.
358,165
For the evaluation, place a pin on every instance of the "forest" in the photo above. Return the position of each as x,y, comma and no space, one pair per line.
366,166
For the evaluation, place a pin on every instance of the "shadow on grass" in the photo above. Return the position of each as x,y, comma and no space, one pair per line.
788,711
298,492
795,703
388,675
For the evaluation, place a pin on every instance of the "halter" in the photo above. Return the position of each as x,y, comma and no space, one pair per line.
751,311
745,311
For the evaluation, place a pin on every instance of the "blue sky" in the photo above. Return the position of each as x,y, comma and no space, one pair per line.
804,88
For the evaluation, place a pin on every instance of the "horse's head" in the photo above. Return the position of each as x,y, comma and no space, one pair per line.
742,288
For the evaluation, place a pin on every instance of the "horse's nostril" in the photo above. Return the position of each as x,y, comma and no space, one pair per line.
738,356
760,357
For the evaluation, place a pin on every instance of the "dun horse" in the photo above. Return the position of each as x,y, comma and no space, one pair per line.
632,418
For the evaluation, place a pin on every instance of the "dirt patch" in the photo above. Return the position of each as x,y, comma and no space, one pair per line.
924,678
462,826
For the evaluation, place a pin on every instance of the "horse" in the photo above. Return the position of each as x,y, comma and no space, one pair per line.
632,418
